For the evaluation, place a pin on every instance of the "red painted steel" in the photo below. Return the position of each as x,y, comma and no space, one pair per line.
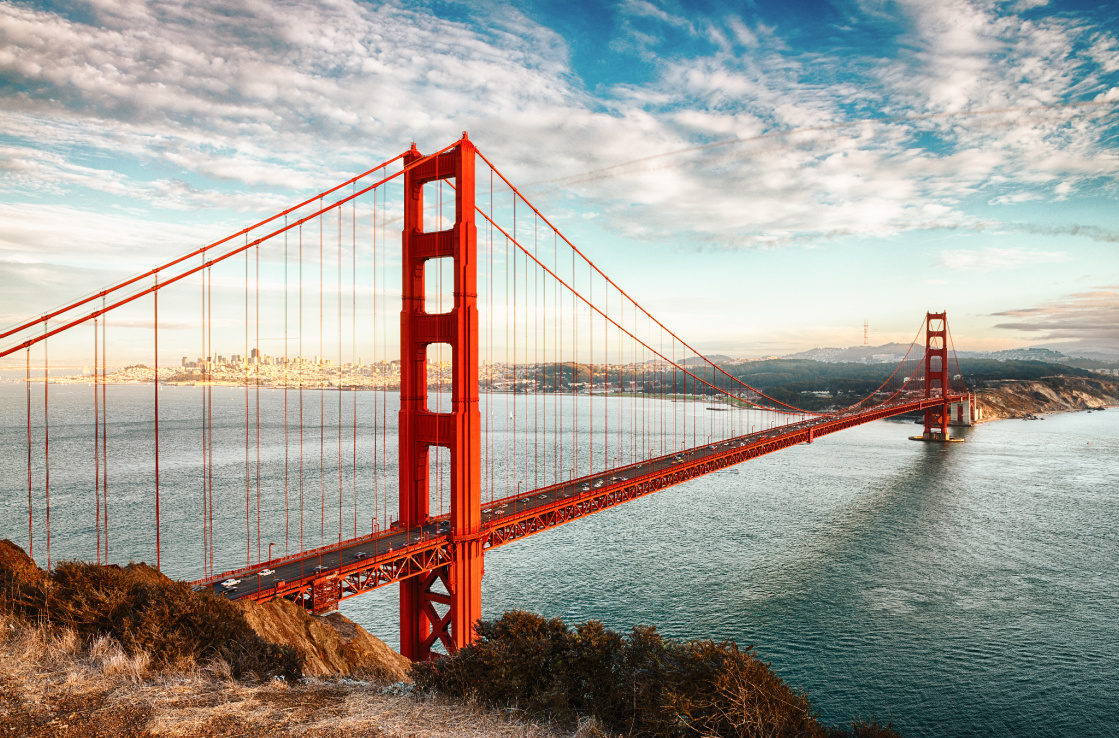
437,559
427,614
936,374
429,558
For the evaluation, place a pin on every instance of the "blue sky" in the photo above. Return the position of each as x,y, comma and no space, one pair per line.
763,176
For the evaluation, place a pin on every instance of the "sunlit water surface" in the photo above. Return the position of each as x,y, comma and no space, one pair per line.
962,590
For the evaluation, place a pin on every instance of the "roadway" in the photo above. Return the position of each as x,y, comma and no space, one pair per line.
372,550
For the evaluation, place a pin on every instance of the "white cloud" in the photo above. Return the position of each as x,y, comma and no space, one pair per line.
244,104
1083,321
992,258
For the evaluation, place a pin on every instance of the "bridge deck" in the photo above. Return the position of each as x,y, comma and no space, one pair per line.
319,578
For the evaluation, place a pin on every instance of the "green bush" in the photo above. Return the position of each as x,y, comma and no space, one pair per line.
643,685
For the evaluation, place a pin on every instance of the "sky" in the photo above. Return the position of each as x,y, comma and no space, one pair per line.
762,176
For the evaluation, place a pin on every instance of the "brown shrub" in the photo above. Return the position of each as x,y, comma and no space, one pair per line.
145,612
643,685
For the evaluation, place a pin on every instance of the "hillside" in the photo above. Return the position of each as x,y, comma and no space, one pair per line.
131,653
1023,398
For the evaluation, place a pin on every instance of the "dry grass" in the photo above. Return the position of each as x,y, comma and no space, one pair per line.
50,685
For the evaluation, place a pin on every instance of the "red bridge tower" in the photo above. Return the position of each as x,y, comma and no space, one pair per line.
936,375
427,614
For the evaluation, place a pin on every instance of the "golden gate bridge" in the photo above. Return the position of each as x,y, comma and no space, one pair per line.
514,387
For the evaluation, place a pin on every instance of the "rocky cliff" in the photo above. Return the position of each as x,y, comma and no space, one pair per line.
1022,398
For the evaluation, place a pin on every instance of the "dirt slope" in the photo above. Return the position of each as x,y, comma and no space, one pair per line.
332,645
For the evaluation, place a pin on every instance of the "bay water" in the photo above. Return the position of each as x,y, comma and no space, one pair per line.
956,590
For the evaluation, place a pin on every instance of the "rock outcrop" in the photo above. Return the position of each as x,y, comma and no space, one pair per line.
1023,398
331,645
17,566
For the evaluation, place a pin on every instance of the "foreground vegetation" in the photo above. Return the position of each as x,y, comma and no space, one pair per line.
93,650
107,651
640,685
143,612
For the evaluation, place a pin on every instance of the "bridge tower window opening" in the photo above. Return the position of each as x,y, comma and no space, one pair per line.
439,481
439,283
440,203
439,370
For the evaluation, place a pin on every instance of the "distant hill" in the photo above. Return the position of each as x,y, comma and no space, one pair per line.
892,353
887,353
1026,354
714,358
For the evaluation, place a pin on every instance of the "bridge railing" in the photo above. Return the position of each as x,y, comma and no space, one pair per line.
312,553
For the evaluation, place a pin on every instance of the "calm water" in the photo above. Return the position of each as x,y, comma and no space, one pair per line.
963,590
958,590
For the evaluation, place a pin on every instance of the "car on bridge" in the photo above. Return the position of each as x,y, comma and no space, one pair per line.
360,554
266,572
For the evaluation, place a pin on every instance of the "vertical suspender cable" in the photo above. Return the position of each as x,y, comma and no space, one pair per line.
210,406
246,362
155,381
30,514
322,396
287,361
256,398
353,344
508,273
47,442
205,516
513,253
384,352
105,429
376,429
536,360
207,352
557,364
440,308
489,352
488,379
299,373
96,445
339,373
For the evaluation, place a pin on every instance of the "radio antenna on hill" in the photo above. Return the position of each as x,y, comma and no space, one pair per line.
866,332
